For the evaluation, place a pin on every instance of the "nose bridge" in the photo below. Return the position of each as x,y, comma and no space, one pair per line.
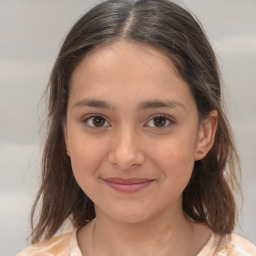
126,139
126,149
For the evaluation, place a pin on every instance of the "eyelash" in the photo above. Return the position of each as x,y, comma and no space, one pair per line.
87,118
167,118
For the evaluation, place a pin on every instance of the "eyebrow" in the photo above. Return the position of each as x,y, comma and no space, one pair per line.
142,106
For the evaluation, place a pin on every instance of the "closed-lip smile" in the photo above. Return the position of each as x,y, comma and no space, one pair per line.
130,185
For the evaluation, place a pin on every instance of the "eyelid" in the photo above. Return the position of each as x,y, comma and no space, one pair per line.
170,119
88,117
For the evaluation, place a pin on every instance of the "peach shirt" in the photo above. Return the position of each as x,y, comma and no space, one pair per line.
66,245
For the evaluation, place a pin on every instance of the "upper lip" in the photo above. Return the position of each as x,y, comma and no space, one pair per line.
128,181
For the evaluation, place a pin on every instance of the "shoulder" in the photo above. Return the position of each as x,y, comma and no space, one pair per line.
228,245
239,246
58,245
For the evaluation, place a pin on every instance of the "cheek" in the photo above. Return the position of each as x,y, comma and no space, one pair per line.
175,159
86,158
176,170
174,152
178,164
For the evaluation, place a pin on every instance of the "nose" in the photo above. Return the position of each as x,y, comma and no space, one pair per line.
126,150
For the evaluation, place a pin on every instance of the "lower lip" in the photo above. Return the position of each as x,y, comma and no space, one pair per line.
129,188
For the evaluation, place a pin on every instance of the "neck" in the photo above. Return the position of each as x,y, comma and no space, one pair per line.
142,238
167,234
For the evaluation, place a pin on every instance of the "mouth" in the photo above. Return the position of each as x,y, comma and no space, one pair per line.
130,185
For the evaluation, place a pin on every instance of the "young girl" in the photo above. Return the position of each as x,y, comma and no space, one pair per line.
139,154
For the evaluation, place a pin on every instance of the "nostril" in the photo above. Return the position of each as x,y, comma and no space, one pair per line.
126,159
126,151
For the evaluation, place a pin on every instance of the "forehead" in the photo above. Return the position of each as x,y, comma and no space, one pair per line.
126,59
123,46
129,73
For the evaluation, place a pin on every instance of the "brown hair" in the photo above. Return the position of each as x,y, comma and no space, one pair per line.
208,197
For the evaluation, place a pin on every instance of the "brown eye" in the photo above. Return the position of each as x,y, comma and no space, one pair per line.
95,121
160,122
98,121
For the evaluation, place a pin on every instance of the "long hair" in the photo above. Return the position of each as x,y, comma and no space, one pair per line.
208,197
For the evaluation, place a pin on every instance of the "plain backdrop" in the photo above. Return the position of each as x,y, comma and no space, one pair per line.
31,33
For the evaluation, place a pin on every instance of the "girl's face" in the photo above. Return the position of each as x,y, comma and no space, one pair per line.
133,132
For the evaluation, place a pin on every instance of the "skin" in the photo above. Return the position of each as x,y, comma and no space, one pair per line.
128,142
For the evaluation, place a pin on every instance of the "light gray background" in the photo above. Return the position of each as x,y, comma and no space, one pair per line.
31,33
